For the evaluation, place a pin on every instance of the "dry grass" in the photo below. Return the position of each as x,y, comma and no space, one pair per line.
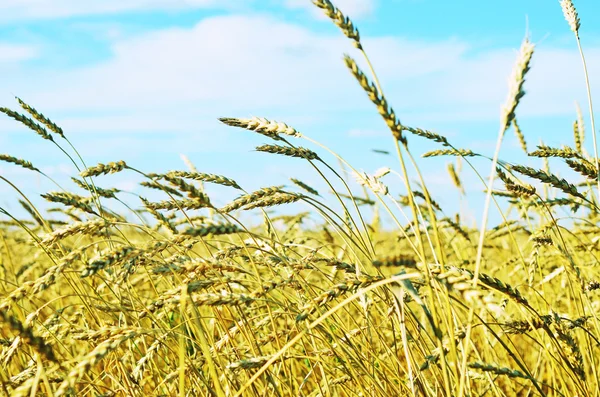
182,298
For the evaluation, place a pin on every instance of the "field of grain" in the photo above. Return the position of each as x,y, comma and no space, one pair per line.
181,297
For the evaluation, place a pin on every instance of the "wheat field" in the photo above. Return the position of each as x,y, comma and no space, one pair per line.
181,297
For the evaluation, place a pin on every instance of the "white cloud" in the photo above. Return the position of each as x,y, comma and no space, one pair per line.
477,86
355,9
10,53
242,65
11,10
229,62
232,63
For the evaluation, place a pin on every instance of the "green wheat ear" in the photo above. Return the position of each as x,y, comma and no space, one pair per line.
41,118
378,99
289,151
27,122
102,169
342,21
23,163
304,186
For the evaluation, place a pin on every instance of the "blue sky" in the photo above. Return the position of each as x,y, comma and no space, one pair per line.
145,81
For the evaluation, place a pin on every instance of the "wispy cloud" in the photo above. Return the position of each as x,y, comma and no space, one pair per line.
256,60
11,10
10,53
170,79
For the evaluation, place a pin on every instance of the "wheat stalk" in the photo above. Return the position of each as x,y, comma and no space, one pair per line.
22,163
495,369
371,181
103,169
251,363
269,128
304,186
289,151
187,204
121,254
214,230
378,99
275,199
41,118
27,335
71,200
520,135
571,16
342,21
197,176
73,229
450,152
579,130
515,91
338,290
162,220
455,178
396,261
249,198
550,179
29,123
564,152
93,358
34,214
521,190
157,186
584,167
106,193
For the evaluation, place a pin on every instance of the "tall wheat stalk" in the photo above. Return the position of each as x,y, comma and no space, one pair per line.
572,18
507,116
